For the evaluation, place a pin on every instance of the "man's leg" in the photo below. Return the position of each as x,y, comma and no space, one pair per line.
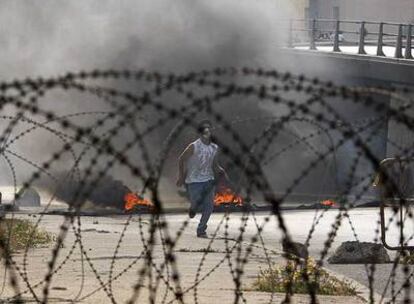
194,191
207,206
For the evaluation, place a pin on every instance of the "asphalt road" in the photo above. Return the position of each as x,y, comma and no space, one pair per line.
361,224
100,236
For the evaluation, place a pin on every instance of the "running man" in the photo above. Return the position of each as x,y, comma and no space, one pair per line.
197,168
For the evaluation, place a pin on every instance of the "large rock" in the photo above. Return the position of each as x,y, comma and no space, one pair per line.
359,253
28,198
295,248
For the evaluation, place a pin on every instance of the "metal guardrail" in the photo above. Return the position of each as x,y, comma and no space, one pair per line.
396,35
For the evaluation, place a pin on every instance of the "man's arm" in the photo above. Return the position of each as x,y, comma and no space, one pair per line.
182,159
218,169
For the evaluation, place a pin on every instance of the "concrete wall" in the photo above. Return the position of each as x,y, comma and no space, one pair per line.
396,11
370,10
323,9
348,68
299,7
400,11
362,70
400,137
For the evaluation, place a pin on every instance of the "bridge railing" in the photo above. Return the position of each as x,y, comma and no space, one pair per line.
325,32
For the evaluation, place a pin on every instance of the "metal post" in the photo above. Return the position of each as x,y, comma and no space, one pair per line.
336,38
361,49
290,37
408,54
398,47
391,194
380,52
313,34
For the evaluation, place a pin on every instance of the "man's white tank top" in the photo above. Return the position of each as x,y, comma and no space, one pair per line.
200,164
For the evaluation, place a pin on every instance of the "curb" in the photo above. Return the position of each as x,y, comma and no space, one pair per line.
363,291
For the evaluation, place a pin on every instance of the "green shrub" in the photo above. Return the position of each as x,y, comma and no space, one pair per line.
407,258
19,234
292,276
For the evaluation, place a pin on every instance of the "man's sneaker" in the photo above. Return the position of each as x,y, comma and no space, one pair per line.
202,235
191,213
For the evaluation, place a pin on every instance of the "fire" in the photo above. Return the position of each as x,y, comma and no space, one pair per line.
227,196
132,200
328,203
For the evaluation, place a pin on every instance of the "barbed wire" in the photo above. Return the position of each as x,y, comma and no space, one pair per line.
138,129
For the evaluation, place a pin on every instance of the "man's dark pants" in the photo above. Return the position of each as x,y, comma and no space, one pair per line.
201,196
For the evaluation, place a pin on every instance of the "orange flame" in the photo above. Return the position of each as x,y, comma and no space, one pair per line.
227,196
132,200
328,203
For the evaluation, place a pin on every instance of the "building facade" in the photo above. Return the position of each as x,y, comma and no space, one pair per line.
399,11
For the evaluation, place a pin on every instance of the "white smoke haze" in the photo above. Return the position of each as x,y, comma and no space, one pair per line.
49,38
52,37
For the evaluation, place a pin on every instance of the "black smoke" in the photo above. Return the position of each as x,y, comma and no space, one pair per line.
101,192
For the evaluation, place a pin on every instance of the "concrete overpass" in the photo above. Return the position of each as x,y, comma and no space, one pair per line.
347,68
351,52
362,70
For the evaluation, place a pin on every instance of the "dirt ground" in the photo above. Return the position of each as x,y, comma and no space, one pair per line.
97,277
